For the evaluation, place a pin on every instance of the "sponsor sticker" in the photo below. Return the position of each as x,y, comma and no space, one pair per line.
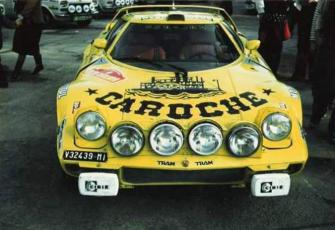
106,74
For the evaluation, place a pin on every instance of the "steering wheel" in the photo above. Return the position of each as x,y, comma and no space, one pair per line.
202,54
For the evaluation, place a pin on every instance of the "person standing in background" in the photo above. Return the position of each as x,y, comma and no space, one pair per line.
28,34
303,11
273,18
323,71
7,23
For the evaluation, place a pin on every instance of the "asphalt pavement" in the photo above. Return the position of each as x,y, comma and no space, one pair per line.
34,195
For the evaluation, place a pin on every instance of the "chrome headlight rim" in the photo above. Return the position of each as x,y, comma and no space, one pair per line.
237,128
133,127
168,124
103,120
203,124
264,123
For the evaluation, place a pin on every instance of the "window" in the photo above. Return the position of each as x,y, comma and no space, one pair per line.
192,47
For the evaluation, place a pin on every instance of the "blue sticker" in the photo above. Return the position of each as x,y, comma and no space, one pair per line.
101,61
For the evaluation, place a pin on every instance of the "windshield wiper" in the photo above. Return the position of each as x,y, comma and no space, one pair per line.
181,73
136,59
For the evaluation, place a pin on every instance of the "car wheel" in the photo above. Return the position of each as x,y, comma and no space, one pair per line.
48,19
84,23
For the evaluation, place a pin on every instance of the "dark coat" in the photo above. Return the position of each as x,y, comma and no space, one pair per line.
4,21
27,36
324,66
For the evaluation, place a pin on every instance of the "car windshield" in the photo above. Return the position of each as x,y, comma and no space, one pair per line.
172,47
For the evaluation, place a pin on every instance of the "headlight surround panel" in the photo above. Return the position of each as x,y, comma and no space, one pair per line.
243,140
277,126
205,139
90,125
166,139
127,140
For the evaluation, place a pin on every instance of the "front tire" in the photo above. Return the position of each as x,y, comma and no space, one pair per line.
49,21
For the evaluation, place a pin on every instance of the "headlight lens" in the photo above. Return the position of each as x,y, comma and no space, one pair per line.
72,9
79,9
86,8
91,126
166,139
127,140
205,139
276,126
243,141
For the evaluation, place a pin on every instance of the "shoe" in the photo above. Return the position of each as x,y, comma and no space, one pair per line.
37,69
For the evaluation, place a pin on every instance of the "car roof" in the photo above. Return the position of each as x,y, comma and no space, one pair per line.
163,17
183,14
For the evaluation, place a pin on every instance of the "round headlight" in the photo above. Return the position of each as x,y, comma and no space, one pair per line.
72,9
92,7
79,9
166,139
205,139
91,126
276,126
86,8
243,141
127,140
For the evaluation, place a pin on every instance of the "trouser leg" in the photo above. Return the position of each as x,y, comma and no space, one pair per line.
18,66
3,78
320,104
39,63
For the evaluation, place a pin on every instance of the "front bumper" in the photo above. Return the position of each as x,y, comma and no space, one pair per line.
191,169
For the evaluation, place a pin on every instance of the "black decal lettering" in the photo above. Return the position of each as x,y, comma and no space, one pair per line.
234,105
251,97
203,109
125,105
103,101
185,114
152,106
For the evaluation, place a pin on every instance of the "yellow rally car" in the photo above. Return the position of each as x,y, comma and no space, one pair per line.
175,95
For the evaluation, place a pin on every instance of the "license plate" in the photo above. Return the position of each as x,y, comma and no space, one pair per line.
81,18
98,184
85,156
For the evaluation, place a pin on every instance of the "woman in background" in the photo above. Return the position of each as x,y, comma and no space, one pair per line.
28,34
273,18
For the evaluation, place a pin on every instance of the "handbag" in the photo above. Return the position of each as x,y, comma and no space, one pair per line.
286,31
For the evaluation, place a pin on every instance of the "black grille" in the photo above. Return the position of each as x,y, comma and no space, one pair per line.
132,175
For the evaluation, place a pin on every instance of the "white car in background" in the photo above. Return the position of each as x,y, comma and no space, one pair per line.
78,11
110,6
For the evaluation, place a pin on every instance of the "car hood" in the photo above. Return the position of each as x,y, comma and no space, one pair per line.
224,95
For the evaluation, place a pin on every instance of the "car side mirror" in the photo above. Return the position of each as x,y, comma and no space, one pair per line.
253,44
100,43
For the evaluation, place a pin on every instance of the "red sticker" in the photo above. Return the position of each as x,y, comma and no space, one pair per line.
107,74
